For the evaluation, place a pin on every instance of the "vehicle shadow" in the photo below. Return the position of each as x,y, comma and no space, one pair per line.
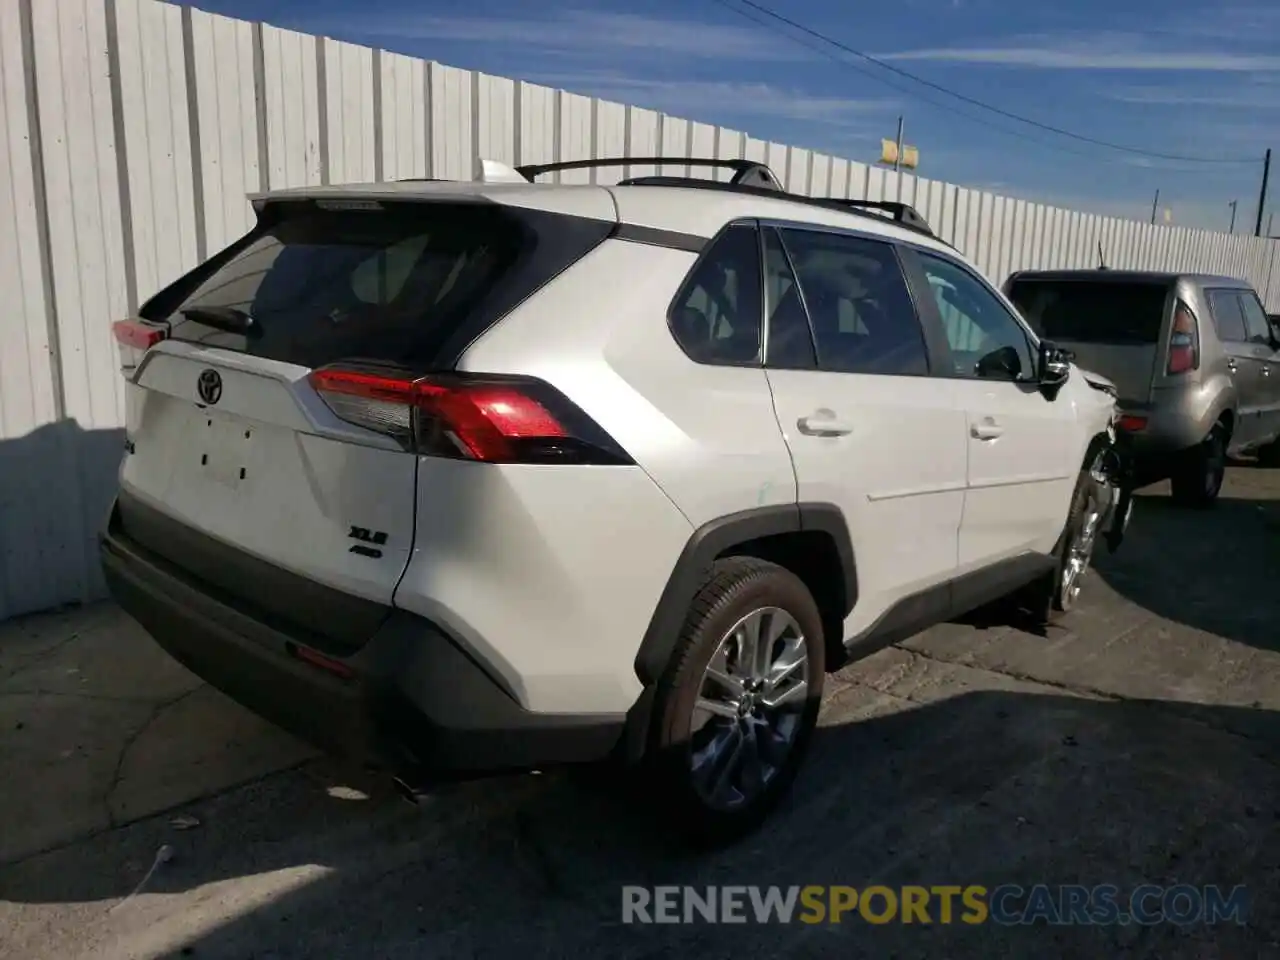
982,788
1214,570
56,486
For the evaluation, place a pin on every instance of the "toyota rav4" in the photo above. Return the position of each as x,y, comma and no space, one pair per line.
475,477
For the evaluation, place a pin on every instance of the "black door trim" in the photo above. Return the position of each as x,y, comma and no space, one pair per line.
945,601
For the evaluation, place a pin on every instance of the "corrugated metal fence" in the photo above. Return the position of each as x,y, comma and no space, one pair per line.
132,130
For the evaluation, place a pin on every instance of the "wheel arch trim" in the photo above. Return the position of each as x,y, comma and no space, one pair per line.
712,540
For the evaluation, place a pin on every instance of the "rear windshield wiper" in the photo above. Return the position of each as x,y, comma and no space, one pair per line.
230,319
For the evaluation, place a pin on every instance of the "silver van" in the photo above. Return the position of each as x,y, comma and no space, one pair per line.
1195,360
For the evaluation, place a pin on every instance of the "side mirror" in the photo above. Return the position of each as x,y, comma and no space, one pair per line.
1002,364
1055,365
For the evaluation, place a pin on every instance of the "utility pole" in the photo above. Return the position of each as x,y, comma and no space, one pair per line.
898,155
897,159
1262,197
1155,203
1232,205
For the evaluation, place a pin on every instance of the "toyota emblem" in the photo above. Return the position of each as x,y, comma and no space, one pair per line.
209,386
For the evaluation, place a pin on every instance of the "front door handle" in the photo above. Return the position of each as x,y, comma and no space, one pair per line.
987,430
815,426
1231,364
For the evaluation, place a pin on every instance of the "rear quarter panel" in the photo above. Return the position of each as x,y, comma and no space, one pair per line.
707,435
1186,406
587,550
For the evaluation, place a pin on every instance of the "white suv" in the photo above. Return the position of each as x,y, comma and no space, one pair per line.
460,478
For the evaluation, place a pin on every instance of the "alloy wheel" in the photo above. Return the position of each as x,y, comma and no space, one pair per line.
1080,548
749,710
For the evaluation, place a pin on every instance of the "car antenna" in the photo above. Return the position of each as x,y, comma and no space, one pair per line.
1102,261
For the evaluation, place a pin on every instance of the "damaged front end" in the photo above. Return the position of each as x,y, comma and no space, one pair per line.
1113,471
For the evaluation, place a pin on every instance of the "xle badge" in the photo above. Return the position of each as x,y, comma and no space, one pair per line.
365,535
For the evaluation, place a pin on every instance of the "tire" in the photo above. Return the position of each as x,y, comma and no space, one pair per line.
687,740
1056,593
1197,481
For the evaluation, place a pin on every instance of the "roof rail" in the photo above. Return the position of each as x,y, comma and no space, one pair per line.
751,173
750,176
901,212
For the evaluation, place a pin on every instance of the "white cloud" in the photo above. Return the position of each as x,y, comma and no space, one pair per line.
1102,51
586,31
1238,97
700,98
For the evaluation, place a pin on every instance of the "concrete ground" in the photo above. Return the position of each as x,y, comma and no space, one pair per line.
143,815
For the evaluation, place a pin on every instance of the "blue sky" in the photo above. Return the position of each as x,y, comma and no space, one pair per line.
1174,77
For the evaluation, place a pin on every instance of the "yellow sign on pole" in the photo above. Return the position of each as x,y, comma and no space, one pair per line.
889,154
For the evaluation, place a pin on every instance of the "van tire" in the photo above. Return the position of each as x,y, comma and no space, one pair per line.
1197,480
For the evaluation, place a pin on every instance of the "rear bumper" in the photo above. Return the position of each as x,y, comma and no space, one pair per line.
410,700
1176,421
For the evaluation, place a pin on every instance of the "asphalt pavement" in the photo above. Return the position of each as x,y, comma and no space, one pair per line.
143,815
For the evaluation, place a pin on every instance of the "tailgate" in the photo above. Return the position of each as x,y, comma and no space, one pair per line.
1131,367
216,485
246,467
1115,326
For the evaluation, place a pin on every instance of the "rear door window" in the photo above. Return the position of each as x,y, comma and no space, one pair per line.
1092,311
1228,318
859,308
322,285
1255,319
790,339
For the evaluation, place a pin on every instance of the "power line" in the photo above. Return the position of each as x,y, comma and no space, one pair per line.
933,101
823,38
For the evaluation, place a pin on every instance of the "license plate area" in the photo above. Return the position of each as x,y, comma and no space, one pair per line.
224,448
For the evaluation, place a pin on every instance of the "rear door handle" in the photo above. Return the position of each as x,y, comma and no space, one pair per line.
814,426
986,431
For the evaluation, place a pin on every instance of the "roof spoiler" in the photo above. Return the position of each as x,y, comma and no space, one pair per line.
495,171
750,173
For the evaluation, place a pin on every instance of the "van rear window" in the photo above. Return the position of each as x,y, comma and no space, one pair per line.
1092,311
321,285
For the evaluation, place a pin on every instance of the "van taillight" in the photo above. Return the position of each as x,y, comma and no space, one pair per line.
486,418
1184,341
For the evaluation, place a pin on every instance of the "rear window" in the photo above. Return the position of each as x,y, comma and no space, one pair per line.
1092,311
322,285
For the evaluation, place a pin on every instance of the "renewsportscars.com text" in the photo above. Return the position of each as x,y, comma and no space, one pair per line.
1009,904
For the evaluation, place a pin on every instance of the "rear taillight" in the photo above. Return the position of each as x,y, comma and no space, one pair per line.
1130,423
138,334
135,338
1184,341
487,418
